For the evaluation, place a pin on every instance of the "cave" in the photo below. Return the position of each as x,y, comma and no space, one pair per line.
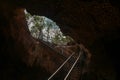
93,24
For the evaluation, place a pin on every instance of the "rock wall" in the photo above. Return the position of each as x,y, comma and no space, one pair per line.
93,23
20,58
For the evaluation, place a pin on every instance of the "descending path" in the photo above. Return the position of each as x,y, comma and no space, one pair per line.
72,67
73,72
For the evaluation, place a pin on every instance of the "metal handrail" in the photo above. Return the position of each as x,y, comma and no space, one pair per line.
61,66
64,64
73,66
70,57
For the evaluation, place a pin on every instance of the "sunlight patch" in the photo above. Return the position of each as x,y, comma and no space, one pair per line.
45,29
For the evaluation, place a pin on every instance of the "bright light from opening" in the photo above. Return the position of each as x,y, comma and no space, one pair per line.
45,29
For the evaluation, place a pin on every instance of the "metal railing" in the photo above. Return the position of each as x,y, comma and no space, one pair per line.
75,62
70,58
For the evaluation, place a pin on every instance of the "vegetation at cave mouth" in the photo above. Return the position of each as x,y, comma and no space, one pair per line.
45,29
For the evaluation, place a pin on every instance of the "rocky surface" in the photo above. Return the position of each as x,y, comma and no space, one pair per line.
95,23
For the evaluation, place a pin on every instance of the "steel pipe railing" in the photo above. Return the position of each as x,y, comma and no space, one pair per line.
73,66
64,64
61,66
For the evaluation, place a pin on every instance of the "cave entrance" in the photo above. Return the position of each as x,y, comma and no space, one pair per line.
47,31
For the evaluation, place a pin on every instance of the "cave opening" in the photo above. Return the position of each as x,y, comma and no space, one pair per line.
48,32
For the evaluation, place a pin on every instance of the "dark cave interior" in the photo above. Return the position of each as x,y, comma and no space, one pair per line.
94,23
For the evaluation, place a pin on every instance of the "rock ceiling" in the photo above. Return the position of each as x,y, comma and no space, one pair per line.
96,24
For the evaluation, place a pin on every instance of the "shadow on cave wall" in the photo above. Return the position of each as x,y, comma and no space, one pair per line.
110,44
12,66
113,50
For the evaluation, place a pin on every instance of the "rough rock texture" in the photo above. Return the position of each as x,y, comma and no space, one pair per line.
95,23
